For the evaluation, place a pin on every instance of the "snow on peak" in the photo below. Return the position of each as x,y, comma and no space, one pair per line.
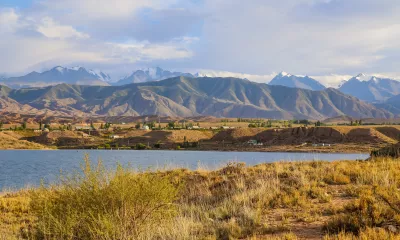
284,74
363,77
342,83
153,72
375,79
98,74
60,69
76,68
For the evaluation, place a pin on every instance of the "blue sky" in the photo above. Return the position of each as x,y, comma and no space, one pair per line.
16,3
328,39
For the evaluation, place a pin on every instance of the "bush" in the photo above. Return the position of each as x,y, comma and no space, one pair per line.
141,146
337,178
97,204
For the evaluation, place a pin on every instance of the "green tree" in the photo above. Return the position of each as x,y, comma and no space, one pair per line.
1,124
137,126
23,125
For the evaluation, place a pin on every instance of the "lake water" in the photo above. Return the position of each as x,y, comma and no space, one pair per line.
24,168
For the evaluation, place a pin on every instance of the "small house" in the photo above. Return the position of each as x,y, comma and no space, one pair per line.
145,127
252,142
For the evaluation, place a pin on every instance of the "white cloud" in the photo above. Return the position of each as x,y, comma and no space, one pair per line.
51,29
330,40
145,51
332,80
8,20
252,77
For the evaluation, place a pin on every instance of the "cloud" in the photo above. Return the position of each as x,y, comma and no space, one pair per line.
39,37
252,77
328,39
145,51
51,29
8,20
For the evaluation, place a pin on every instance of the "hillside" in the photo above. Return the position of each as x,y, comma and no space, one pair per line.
11,142
186,97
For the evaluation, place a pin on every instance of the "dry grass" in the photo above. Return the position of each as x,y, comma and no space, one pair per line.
10,142
286,200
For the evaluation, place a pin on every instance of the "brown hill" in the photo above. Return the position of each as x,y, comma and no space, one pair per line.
299,135
188,97
11,142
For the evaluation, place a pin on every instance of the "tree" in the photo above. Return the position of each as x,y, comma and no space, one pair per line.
171,125
1,124
40,125
101,126
137,126
92,125
152,124
23,125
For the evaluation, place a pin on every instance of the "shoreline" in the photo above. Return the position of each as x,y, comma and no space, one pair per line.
325,151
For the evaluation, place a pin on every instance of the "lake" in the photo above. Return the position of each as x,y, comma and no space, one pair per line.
25,168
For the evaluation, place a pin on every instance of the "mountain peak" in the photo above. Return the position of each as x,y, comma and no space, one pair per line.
150,74
363,77
295,81
371,88
284,74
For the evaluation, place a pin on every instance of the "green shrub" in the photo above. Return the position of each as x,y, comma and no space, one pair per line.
97,204
141,146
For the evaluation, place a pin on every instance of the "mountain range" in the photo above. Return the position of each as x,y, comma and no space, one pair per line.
150,74
185,96
58,75
288,80
371,88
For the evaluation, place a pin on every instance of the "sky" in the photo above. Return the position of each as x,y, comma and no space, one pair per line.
330,40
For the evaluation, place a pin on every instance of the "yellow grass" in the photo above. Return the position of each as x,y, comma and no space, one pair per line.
286,200
9,142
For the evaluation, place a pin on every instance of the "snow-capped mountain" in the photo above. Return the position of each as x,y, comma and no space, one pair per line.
293,81
150,74
58,75
371,88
